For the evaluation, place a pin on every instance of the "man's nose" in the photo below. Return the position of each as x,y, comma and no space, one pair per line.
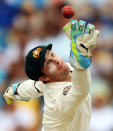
56,61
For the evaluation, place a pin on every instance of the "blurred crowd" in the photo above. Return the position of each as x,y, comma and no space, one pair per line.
25,24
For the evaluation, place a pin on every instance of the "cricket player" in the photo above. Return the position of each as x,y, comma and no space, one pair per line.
66,93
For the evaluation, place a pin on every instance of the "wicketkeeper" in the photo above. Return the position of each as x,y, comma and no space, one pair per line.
66,93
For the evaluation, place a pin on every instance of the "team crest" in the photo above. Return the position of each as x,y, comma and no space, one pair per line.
36,53
66,90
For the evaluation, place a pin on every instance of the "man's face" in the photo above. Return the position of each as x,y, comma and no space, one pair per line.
54,67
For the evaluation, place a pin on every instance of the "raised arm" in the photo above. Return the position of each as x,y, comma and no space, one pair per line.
23,91
83,38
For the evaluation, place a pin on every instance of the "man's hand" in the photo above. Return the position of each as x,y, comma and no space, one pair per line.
12,94
8,95
82,40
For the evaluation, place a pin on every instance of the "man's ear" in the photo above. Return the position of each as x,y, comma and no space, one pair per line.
44,78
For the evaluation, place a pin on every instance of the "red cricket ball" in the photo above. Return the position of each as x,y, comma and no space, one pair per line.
68,12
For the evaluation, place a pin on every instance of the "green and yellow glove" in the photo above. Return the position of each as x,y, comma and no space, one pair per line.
12,94
82,40
8,95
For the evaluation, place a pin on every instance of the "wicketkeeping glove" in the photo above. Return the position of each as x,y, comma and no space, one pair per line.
82,40
12,94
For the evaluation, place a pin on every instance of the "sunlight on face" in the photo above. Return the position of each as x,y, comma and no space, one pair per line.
52,68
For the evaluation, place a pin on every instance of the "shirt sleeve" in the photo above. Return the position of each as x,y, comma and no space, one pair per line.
25,90
29,88
79,90
81,81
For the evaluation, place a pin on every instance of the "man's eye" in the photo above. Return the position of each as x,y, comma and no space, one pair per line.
52,54
47,62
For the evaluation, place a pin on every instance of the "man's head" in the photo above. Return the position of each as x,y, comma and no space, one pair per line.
43,64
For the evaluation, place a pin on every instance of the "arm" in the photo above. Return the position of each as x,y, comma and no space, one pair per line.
23,91
80,55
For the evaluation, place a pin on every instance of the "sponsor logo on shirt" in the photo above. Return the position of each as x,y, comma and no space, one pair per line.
66,90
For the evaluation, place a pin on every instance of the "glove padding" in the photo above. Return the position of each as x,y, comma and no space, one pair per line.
8,95
82,40
11,94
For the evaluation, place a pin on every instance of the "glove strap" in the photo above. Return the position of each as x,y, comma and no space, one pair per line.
14,87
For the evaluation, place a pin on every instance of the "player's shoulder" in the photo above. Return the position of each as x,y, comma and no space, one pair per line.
39,85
